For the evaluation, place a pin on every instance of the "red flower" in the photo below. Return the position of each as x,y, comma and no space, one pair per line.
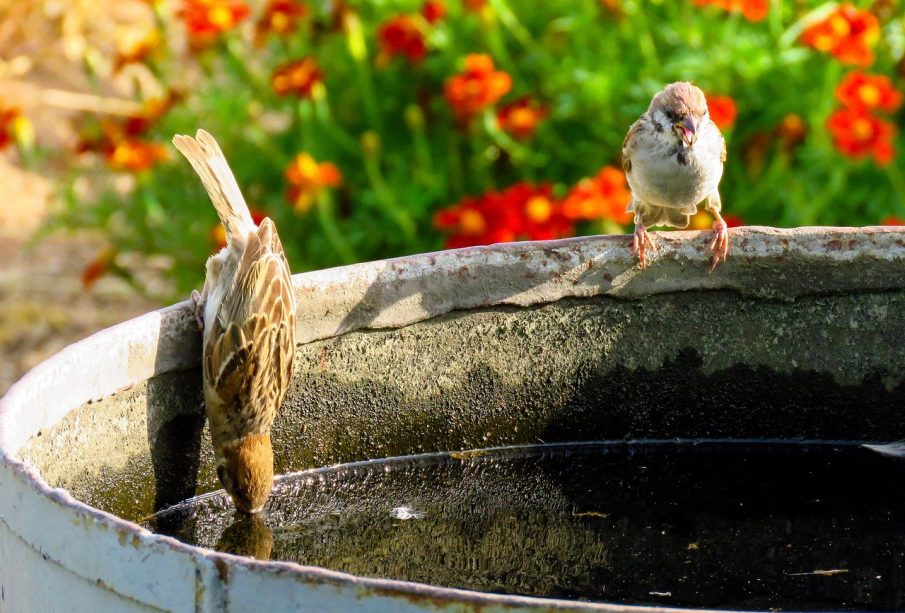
520,118
307,177
868,92
857,134
753,10
521,212
479,86
722,110
892,221
604,196
97,267
298,77
433,11
401,36
8,116
847,33
280,17
205,19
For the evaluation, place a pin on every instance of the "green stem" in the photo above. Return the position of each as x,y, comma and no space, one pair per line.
478,166
511,23
358,49
898,181
386,200
327,220
775,18
456,172
304,116
340,137
646,41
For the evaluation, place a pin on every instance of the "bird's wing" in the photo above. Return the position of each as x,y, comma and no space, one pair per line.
628,145
209,162
248,358
722,143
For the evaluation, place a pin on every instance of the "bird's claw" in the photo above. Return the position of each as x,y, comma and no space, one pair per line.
641,242
719,246
199,309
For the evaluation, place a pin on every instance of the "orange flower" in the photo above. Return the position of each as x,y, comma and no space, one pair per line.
298,77
868,92
280,17
521,212
892,221
722,111
520,118
218,232
753,10
97,267
206,19
8,116
401,36
135,155
604,196
479,86
136,50
433,11
152,110
847,33
791,131
613,7
857,134
307,178
702,220
474,6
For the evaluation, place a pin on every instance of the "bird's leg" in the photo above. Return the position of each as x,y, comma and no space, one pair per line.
199,300
642,241
719,246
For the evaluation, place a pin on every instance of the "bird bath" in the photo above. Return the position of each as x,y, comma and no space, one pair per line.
800,336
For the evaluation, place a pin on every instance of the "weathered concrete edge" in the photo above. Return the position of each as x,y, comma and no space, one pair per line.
387,293
401,291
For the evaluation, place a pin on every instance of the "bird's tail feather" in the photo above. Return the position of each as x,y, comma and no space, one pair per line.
896,449
209,162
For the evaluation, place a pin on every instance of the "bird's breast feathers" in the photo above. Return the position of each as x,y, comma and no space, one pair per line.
666,173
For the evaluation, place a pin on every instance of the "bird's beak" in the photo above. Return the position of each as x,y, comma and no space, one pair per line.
687,130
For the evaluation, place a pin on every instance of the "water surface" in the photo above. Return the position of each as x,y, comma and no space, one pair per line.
720,525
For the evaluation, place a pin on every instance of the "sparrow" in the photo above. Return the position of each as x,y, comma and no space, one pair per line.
246,311
673,159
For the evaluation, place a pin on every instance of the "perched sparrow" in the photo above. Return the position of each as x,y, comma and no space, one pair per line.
247,311
673,158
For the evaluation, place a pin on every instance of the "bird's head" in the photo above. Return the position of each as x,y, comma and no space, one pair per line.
245,469
679,111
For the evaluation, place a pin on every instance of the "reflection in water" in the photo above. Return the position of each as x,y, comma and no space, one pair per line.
247,536
727,525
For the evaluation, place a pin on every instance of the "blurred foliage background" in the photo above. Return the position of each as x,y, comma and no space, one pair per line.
377,128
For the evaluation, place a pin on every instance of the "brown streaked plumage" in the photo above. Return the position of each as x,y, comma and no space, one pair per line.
247,310
673,159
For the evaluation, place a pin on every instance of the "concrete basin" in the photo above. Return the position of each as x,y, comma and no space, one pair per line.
800,336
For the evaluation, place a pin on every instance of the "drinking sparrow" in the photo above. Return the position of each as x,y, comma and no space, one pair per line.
247,310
